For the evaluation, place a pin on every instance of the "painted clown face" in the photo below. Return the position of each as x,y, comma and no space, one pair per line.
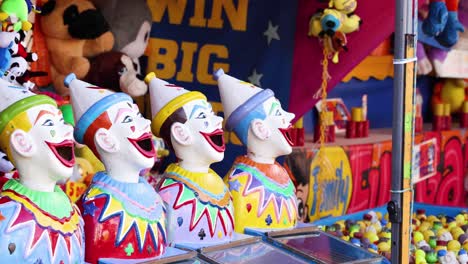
52,141
132,133
279,123
206,128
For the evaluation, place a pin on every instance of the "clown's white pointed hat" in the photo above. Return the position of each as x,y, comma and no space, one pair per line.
238,97
89,102
14,101
165,99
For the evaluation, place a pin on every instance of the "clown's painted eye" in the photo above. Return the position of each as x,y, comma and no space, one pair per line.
127,119
201,115
277,112
48,122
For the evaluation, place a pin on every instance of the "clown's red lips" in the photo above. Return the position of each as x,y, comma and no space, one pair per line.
215,139
64,151
144,144
286,133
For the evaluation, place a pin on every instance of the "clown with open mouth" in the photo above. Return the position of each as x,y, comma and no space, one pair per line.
38,220
257,182
198,202
121,210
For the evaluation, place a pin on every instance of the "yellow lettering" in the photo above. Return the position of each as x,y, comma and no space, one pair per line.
164,52
198,19
185,74
236,16
175,10
204,75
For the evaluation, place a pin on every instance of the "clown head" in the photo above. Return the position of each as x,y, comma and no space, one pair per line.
35,137
187,123
256,117
111,125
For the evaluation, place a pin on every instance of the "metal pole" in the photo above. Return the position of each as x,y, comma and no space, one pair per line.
399,208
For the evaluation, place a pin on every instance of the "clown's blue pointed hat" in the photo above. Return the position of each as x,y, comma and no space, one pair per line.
239,98
89,102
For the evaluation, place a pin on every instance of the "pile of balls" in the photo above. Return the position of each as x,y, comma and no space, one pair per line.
435,239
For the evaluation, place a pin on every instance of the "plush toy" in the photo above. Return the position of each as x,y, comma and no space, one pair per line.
332,24
130,22
15,13
334,20
19,74
19,49
5,58
344,6
116,70
451,91
74,30
442,22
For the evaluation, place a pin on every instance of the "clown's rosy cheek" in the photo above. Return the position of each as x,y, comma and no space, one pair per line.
132,128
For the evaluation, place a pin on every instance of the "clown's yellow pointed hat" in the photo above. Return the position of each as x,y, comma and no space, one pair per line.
165,99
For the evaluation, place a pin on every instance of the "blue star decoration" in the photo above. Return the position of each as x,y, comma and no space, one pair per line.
234,185
268,220
89,209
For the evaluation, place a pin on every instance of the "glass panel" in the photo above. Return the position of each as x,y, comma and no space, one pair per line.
253,253
327,248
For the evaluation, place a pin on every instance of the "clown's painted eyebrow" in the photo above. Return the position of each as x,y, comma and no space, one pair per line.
274,105
121,112
41,113
196,107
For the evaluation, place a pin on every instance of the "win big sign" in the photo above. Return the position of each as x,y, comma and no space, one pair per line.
181,55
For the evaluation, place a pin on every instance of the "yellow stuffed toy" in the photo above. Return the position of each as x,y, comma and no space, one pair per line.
344,6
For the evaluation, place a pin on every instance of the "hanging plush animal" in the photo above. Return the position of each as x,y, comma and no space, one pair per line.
333,21
442,22
344,6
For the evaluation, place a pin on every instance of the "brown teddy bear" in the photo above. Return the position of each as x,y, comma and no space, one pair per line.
74,31
115,70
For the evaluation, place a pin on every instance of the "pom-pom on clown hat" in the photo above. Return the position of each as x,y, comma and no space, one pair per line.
89,102
14,102
165,99
239,98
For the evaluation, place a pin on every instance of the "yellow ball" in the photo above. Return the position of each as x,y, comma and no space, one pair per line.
384,247
456,232
417,236
432,218
372,236
451,225
465,246
424,226
420,260
427,234
454,246
341,223
345,238
460,219
420,253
